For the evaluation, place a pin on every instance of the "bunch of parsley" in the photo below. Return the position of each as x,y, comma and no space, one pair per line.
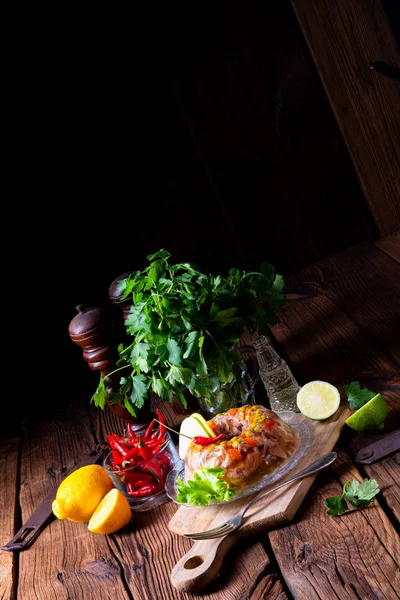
184,325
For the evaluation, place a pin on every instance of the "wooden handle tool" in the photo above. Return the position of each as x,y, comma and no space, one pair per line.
202,564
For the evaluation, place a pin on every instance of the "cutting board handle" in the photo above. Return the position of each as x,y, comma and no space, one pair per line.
202,564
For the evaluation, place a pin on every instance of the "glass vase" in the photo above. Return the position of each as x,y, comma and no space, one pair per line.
237,392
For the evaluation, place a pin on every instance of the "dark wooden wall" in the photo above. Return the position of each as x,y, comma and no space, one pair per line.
209,135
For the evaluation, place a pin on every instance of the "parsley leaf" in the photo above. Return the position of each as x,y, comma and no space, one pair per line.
337,505
356,395
206,486
359,496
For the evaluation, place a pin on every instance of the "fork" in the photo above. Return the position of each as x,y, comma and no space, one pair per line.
236,521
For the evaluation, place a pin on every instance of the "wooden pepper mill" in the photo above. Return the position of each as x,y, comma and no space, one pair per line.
115,295
92,329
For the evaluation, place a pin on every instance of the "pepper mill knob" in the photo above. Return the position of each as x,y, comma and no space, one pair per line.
115,295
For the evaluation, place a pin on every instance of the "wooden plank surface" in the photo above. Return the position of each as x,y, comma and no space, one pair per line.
342,324
317,556
9,479
258,116
352,556
391,245
67,561
344,37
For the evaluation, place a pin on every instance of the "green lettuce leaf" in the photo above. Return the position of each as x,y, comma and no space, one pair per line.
206,487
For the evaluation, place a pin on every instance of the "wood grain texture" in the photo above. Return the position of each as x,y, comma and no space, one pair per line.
344,37
339,324
353,298
67,561
258,116
9,519
391,245
352,556
73,562
342,320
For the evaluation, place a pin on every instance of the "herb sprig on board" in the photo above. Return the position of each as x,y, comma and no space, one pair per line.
356,395
184,324
358,494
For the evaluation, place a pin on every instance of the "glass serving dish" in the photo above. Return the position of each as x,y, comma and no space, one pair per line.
304,427
166,458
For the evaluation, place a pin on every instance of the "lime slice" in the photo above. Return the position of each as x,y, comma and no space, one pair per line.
318,400
371,416
193,425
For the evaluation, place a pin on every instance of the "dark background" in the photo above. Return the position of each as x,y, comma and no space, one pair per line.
208,134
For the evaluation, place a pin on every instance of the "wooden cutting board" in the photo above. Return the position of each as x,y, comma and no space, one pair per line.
202,563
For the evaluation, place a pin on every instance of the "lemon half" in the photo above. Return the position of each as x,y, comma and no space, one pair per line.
318,400
111,514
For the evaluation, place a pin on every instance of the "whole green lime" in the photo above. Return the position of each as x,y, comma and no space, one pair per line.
371,416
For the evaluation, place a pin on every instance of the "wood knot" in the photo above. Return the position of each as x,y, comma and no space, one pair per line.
102,568
303,554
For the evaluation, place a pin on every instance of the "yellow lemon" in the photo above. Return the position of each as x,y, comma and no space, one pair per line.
112,513
318,400
371,416
80,493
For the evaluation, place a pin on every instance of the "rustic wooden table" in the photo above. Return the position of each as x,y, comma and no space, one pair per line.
341,323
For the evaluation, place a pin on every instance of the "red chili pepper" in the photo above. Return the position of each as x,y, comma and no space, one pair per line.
154,443
162,431
164,462
155,450
132,453
149,429
133,476
141,483
133,438
116,458
138,480
146,490
162,458
205,441
155,469
114,445
144,451
136,474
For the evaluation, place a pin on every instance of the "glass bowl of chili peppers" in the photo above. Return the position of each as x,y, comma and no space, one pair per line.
139,462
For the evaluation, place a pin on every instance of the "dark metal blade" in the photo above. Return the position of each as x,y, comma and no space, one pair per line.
43,513
386,445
